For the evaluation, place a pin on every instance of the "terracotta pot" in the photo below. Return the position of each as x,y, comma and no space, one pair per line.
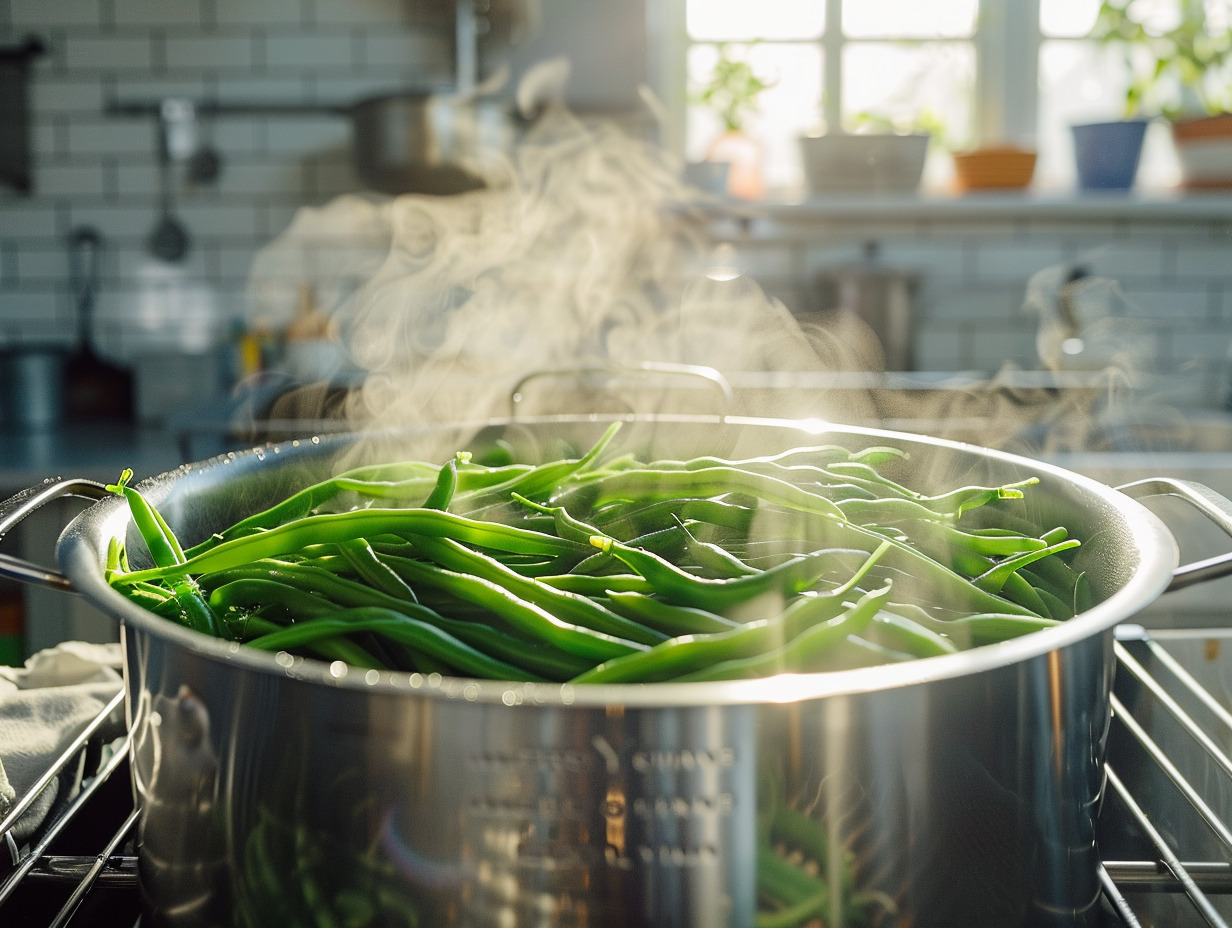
1204,148
1001,168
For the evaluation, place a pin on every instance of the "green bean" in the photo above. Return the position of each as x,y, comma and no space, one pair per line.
709,481
244,626
825,454
1018,590
566,525
781,880
166,552
871,476
311,592
902,634
690,653
335,527
965,498
979,629
626,521
1057,608
569,607
713,559
598,585
539,480
685,589
446,483
921,575
995,578
526,616
370,568
666,617
1000,545
399,627
887,510
802,651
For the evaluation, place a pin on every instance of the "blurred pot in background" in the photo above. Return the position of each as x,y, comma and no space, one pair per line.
430,143
996,168
1106,154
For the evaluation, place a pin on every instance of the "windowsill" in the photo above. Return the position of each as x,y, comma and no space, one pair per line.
1162,205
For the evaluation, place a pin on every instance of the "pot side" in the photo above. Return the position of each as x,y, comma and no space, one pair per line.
947,791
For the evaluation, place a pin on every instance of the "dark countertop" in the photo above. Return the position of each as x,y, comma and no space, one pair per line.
96,451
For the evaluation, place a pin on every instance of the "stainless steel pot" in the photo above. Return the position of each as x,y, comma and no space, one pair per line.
958,790
429,143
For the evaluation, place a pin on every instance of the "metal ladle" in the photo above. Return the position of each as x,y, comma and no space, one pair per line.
169,240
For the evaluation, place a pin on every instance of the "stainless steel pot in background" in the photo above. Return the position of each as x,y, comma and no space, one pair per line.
426,143
959,790
32,386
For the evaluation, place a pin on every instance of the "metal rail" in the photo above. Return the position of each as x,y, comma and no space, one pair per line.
1169,696
35,865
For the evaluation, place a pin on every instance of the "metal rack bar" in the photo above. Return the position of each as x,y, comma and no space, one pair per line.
1168,873
1164,762
1174,709
87,882
1153,876
1160,654
26,864
1166,854
1113,892
65,758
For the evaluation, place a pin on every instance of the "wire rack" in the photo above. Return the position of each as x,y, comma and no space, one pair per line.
1164,834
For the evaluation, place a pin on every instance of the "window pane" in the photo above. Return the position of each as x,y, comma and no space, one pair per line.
790,107
910,86
745,20
1067,18
1085,82
909,19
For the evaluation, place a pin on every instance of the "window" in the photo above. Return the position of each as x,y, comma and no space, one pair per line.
971,71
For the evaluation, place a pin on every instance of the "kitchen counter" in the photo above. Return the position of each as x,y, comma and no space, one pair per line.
96,451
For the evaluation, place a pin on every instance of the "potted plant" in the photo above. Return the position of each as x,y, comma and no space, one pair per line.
879,155
994,167
1184,73
732,93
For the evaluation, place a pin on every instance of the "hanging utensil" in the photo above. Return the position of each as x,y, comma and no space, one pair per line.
94,387
169,239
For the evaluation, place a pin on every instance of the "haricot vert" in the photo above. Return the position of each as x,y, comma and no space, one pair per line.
612,568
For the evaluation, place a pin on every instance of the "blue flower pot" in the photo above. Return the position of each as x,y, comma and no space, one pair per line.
1107,153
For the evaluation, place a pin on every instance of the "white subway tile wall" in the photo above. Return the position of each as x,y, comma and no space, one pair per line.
1172,283
97,168
93,167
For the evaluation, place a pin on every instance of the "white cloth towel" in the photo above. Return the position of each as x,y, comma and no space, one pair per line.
43,707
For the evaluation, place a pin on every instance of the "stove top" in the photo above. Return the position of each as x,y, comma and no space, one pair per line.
1164,832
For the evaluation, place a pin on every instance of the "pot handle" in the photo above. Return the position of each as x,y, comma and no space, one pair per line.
707,375
17,507
1215,507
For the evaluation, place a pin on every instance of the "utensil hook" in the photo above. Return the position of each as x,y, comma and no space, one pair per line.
84,256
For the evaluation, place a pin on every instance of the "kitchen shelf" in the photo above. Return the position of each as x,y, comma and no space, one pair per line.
1155,206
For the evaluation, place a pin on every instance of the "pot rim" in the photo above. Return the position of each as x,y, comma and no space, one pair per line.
80,556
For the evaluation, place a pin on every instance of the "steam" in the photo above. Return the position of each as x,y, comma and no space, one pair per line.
586,252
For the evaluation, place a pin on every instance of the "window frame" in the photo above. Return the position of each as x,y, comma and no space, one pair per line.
1007,40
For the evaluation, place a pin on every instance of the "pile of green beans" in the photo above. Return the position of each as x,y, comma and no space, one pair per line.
606,568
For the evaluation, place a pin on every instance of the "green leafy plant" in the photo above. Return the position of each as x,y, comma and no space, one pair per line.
733,89
925,120
1185,68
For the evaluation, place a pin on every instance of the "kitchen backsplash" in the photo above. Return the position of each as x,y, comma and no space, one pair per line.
983,281
94,168
98,169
